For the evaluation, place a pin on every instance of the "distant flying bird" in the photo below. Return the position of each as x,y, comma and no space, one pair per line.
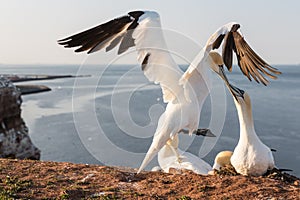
183,93
170,156
251,156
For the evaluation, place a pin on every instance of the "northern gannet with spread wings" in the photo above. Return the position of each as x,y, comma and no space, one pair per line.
183,93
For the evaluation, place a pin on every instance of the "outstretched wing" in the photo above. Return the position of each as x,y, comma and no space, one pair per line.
250,63
139,29
108,35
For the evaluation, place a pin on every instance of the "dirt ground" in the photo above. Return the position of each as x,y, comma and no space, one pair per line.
26,179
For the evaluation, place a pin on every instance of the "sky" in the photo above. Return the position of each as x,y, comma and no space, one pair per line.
30,29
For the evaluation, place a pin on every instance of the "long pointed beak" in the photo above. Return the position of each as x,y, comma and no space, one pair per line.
235,91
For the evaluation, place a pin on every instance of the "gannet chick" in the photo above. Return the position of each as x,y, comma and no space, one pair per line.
222,159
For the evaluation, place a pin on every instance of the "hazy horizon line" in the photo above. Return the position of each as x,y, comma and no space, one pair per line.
72,64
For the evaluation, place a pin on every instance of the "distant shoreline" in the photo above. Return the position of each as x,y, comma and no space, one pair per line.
37,77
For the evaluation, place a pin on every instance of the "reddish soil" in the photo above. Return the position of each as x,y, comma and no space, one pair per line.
26,179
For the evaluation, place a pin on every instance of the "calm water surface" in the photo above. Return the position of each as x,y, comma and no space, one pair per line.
111,116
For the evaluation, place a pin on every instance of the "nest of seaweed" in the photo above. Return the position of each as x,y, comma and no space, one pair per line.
277,174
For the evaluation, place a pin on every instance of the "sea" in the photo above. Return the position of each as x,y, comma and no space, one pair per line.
110,116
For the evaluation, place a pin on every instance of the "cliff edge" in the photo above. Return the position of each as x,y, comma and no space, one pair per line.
14,139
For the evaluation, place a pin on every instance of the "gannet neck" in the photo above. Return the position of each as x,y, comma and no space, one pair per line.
244,109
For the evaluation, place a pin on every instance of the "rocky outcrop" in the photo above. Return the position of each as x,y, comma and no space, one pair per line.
14,139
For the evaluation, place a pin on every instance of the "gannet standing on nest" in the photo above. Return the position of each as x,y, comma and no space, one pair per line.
184,94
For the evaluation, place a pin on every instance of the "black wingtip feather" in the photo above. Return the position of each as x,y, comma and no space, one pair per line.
145,61
91,39
235,27
218,41
227,51
136,14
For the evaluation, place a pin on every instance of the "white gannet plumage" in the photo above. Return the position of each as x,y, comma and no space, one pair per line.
142,29
170,156
251,156
184,93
